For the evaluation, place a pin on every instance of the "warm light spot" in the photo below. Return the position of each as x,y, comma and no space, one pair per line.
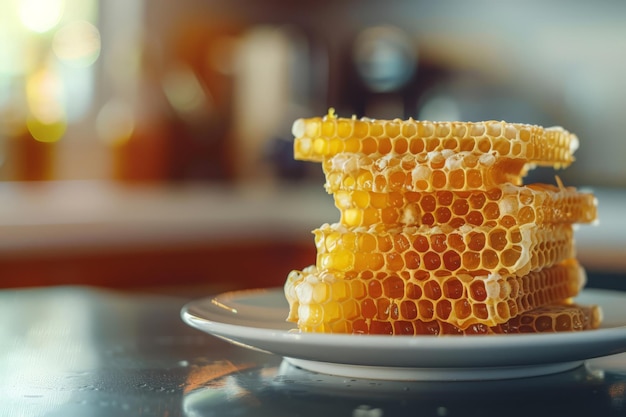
183,89
46,132
212,374
41,15
77,43
47,121
43,91
115,122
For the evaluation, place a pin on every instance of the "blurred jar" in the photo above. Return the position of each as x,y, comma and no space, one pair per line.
28,140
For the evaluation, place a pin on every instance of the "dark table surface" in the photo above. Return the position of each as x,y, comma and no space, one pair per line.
80,351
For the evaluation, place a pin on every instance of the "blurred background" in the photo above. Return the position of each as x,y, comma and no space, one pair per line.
148,142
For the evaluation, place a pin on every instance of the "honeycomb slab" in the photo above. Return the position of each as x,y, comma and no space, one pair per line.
438,234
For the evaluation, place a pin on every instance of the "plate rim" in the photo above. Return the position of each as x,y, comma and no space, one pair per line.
285,343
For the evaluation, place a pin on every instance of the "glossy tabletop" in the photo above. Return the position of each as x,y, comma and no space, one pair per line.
79,351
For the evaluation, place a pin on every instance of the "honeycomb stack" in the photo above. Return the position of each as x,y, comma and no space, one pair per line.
437,233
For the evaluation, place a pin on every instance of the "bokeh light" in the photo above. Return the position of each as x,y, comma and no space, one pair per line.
44,94
41,15
385,58
13,45
46,132
115,122
183,89
77,43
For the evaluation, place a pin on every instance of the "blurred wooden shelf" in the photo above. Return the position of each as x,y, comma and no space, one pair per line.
101,233
231,266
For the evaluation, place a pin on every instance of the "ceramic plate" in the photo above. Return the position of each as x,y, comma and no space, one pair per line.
256,319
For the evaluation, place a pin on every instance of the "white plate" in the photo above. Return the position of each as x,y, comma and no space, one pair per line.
256,319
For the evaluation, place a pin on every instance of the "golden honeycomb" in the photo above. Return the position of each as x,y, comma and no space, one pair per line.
389,303
547,319
437,233
433,171
538,204
318,138
554,318
428,251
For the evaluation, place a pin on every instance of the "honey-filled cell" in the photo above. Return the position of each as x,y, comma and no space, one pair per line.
443,309
318,301
393,287
453,289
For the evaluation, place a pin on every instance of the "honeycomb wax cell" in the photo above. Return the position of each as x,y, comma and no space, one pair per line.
390,303
504,248
536,204
321,137
444,170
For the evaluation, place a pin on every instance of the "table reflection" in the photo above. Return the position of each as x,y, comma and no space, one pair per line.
73,351
286,390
